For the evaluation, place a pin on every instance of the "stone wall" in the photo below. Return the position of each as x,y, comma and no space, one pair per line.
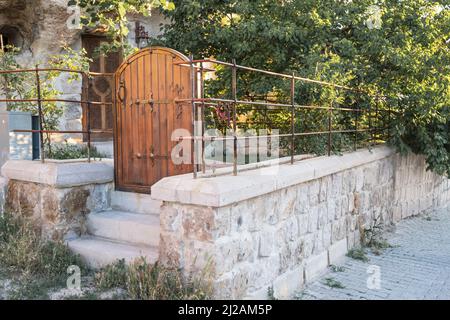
284,229
57,195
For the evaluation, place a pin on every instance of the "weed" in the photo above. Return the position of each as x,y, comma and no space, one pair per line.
335,268
23,250
32,288
358,254
37,267
271,293
155,282
33,264
332,283
373,237
144,281
112,276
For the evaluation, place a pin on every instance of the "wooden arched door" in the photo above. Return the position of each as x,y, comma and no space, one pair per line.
147,85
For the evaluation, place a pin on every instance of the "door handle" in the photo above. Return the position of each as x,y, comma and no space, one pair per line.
123,89
152,155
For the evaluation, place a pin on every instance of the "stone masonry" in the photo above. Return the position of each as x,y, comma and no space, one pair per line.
416,266
57,196
283,230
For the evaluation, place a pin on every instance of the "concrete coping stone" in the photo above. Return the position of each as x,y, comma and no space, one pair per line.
63,174
225,190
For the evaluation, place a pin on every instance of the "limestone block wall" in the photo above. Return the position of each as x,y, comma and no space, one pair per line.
283,230
58,196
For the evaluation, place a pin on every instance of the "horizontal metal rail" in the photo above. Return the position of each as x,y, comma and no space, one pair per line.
94,103
286,135
260,103
39,101
227,109
62,131
93,74
266,72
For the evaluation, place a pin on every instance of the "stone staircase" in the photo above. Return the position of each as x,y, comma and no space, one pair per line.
128,231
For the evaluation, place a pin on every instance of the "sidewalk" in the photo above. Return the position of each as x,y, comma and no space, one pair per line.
416,267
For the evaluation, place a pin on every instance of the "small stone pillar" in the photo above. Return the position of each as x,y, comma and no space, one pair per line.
58,194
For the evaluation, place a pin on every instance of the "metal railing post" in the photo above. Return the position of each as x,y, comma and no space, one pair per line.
372,138
193,144
202,95
234,93
330,113
41,114
355,142
87,84
377,120
292,117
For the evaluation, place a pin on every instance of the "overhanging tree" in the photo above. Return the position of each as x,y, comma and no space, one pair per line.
111,16
399,49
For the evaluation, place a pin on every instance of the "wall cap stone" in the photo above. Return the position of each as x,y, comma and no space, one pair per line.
225,190
59,174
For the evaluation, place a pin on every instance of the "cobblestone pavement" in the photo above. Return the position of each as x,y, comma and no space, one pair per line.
416,267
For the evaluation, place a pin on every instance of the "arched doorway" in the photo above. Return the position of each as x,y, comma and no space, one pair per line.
147,85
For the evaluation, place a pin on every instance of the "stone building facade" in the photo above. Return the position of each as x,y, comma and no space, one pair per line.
38,27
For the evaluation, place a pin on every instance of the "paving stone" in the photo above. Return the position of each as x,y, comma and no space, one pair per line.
416,267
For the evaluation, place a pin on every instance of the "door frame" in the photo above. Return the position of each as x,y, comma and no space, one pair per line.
116,88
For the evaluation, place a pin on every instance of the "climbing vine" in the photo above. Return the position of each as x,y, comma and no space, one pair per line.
397,49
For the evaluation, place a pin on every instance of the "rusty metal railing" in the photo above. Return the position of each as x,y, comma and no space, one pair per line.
200,102
40,101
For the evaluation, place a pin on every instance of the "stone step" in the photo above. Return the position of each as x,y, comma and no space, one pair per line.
98,252
135,202
125,226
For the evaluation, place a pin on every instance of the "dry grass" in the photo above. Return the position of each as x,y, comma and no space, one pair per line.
23,250
144,281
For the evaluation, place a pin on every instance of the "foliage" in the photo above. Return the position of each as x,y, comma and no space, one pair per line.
271,293
144,281
112,276
372,236
358,254
111,17
333,283
22,249
11,85
24,85
67,151
336,268
397,49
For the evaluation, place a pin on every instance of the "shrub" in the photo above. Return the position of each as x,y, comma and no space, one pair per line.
68,151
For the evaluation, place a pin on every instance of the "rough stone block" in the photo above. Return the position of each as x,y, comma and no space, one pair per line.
315,266
261,294
337,252
313,219
288,283
302,224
